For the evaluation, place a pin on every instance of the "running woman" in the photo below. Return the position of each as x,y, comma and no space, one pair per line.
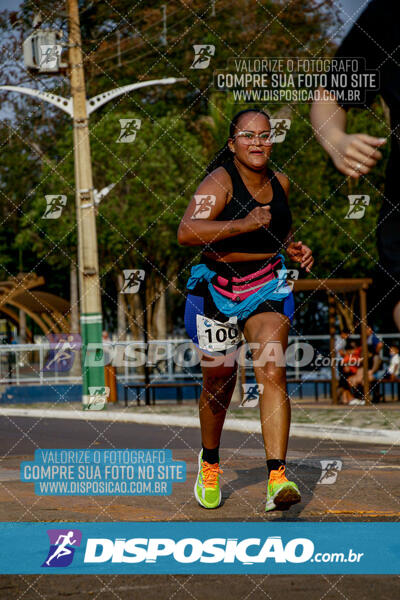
240,217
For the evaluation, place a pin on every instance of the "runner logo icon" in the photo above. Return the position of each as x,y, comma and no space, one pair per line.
330,470
202,55
61,552
54,206
129,128
132,280
251,393
357,206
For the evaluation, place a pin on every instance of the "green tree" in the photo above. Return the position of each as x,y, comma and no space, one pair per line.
137,222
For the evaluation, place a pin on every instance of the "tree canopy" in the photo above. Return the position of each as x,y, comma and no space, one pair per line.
182,126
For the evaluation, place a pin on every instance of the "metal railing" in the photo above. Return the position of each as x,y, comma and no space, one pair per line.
169,359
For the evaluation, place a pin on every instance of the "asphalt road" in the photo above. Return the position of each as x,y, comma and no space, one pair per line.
367,488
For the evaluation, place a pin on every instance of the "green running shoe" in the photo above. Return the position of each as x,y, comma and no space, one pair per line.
281,493
206,488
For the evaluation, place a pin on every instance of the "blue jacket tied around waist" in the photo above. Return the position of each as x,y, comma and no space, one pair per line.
272,290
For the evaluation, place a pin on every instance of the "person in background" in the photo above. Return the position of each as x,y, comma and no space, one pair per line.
355,380
373,341
375,346
394,365
375,36
391,374
340,343
351,363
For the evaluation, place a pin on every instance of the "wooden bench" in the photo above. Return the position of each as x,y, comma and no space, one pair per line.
380,384
153,386
181,384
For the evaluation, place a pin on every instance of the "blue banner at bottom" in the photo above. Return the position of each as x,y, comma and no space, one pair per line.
200,547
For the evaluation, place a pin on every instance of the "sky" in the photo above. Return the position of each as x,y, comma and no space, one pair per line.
351,9
10,4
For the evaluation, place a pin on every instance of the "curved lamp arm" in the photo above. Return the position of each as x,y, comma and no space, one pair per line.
94,103
64,103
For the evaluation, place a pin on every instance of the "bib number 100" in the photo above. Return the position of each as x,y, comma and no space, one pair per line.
222,334
214,335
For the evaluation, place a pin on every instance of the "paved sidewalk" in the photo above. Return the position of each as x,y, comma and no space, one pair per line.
378,423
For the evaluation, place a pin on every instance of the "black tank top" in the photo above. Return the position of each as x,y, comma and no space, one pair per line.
242,202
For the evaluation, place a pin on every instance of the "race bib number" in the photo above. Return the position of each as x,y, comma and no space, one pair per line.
216,336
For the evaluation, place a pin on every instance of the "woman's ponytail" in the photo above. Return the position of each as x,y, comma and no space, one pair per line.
223,156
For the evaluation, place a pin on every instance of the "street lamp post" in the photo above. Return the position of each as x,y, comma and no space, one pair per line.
89,282
79,109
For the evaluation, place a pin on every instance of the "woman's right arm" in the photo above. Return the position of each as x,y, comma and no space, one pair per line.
198,225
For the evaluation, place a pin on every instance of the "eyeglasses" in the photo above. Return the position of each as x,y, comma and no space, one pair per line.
249,137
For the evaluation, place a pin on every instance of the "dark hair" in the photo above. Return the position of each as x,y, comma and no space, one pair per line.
224,154
351,344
